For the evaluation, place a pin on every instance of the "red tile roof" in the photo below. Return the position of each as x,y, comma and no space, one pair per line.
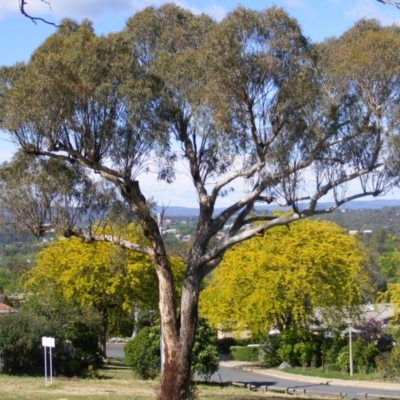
4,308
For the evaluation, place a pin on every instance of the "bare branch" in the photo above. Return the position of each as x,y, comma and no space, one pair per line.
258,218
23,3
338,203
343,179
391,3
239,221
123,244
245,173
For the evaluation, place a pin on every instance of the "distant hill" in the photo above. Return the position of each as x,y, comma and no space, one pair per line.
352,205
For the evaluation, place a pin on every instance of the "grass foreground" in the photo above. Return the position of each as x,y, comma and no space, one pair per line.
116,383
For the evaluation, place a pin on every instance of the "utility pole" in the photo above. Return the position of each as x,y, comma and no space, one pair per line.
351,350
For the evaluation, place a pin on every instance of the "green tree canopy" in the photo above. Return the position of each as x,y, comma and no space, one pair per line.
284,277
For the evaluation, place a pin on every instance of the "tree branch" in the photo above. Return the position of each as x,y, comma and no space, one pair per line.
331,185
123,244
337,204
23,3
391,3
244,173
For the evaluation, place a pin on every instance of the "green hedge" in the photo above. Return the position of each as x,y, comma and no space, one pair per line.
244,353
76,351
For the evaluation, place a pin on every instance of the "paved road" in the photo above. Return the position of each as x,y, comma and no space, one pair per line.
311,385
226,374
115,350
228,371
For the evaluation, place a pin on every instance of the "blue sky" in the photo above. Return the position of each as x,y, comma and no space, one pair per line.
319,18
19,36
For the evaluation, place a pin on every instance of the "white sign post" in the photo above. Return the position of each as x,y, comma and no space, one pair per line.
48,342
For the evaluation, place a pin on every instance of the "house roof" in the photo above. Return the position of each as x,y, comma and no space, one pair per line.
4,308
383,312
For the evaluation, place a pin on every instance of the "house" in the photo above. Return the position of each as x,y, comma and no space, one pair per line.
382,312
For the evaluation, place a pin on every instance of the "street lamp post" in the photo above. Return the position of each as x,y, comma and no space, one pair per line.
351,350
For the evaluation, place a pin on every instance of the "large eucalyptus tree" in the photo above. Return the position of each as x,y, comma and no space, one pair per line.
246,100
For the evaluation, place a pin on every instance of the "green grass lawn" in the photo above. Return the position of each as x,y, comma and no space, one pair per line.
111,384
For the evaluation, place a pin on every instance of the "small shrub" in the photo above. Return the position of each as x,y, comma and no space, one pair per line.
300,347
79,353
343,359
205,355
364,355
388,364
331,347
244,353
285,352
20,342
142,353
269,352
333,367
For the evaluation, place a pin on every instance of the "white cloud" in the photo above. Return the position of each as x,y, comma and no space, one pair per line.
8,8
66,8
296,3
303,5
387,15
95,9
91,9
215,11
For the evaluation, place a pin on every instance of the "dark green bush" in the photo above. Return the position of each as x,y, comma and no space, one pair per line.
79,353
300,347
364,355
142,353
20,342
244,353
205,355
21,345
331,348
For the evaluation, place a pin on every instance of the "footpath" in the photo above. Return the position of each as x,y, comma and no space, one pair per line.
251,367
